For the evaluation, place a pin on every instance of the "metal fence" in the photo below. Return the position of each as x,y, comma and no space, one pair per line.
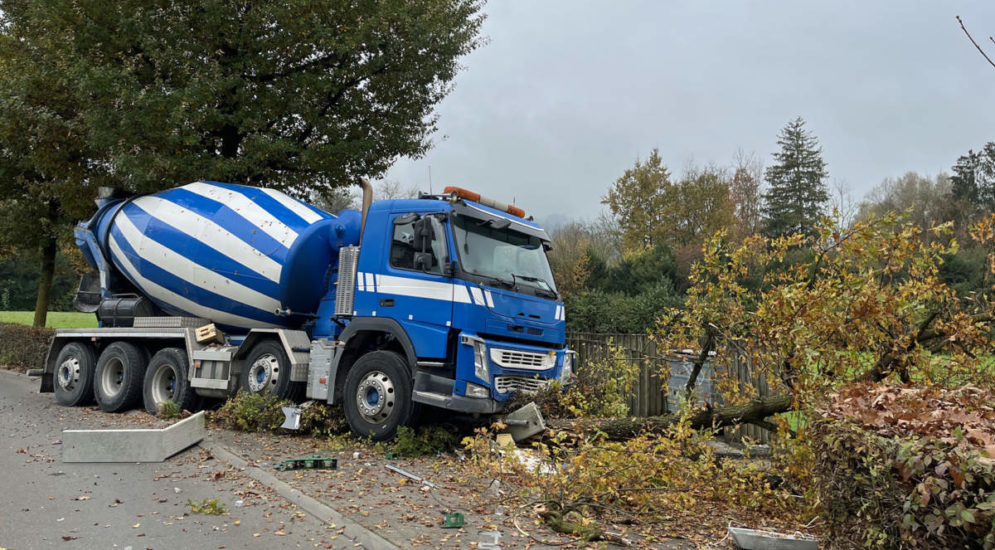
652,395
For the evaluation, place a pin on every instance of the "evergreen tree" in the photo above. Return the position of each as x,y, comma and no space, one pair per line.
796,191
973,182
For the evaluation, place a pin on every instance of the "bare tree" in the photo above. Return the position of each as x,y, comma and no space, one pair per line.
926,199
392,189
336,200
746,192
842,206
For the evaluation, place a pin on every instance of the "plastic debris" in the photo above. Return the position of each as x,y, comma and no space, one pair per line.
409,475
309,463
454,520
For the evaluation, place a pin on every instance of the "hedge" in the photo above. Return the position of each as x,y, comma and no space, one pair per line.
919,479
23,347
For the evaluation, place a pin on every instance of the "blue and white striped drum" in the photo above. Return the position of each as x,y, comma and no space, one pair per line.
232,254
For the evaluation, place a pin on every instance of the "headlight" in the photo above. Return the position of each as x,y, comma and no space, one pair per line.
478,391
567,372
480,365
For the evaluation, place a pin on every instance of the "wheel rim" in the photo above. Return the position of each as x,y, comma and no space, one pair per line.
264,372
375,397
68,375
164,385
112,377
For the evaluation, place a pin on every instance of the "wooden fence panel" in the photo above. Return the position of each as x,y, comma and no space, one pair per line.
650,394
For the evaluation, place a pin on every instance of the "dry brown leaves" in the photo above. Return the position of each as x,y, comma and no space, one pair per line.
919,411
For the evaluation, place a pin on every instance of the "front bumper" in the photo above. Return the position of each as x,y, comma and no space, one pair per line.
438,391
488,373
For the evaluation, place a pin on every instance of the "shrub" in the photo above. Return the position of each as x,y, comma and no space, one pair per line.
247,412
169,410
617,312
902,467
880,492
251,412
23,347
323,420
601,388
425,441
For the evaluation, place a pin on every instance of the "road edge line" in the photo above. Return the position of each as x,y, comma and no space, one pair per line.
324,513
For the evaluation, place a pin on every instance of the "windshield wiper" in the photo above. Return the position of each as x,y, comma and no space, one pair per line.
546,290
503,282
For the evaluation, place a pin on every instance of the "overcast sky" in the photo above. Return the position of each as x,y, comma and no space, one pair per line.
566,94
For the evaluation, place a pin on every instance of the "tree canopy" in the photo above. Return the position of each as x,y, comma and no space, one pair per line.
291,94
297,95
638,199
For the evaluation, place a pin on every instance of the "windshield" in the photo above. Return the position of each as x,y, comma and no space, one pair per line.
491,250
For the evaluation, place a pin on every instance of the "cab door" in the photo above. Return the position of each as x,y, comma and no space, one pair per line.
415,287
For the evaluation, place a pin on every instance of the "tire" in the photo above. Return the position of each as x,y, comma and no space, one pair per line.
267,371
377,396
166,380
73,377
117,383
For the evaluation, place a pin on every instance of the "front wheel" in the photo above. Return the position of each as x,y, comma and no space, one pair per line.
378,396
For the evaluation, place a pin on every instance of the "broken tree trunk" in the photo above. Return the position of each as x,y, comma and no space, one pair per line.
626,428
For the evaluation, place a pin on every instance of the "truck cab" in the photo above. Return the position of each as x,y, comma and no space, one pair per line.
463,292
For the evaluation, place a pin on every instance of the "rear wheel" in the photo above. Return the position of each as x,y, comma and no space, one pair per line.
119,377
267,371
74,368
377,397
166,380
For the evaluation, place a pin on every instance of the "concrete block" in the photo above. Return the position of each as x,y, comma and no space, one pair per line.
140,445
525,422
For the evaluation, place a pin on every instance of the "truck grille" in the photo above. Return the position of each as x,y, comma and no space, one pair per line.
505,384
514,359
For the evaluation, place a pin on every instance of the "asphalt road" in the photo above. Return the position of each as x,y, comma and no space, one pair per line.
45,503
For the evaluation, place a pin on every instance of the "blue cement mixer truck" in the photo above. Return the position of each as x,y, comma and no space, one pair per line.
211,288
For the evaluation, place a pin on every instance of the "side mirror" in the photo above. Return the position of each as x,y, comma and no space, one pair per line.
423,261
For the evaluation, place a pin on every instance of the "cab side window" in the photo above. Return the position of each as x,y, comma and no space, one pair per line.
418,244
402,246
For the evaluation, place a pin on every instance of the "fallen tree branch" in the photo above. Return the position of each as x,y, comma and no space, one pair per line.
706,347
626,428
882,368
